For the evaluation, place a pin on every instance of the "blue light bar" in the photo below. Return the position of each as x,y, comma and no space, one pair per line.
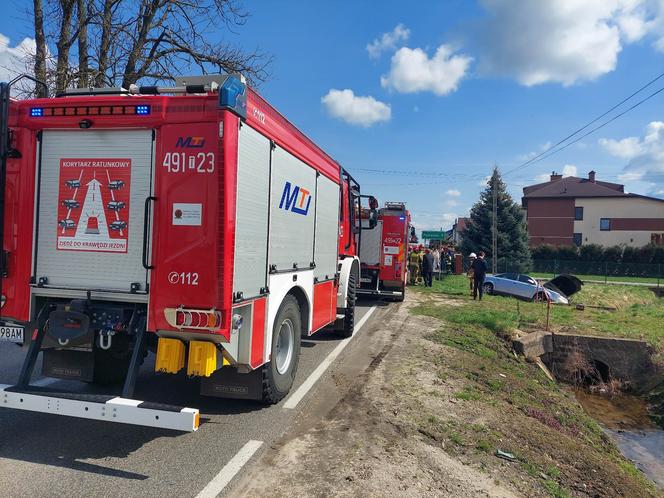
37,112
143,110
402,218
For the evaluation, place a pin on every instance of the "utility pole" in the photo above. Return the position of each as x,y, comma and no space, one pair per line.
494,227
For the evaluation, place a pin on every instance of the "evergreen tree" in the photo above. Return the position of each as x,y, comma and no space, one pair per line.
513,250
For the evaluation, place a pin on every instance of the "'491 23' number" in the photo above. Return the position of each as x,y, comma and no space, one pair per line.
180,162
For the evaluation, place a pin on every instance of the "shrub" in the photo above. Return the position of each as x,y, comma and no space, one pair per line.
591,252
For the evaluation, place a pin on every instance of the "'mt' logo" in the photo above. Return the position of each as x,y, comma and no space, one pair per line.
295,199
190,142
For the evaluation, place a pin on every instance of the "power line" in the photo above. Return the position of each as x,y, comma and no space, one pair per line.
424,173
603,124
543,154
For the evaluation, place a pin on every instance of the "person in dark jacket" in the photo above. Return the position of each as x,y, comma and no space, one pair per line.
427,268
479,272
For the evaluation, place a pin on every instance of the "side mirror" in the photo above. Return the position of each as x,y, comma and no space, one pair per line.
373,219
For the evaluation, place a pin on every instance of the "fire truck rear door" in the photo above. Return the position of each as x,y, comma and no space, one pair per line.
92,191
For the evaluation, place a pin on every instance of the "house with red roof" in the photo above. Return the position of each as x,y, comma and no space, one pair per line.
575,211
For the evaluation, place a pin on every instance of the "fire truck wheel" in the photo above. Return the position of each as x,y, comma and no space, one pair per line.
111,365
349,316
279,373
399,299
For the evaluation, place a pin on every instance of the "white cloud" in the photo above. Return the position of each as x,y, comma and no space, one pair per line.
645,156
544,177
14,60
569,170
356,110
542,148
388,41
626,148
561,41
413,71
453,192
451,203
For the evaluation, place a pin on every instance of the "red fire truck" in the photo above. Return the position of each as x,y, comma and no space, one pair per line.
193,221
383,253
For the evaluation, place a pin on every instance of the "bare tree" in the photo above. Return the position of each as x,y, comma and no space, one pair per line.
120,42
40,51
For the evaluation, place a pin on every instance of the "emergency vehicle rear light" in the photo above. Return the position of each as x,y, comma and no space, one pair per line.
183,318
92,110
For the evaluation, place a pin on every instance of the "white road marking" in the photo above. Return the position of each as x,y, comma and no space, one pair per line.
234,465
302,391
44,382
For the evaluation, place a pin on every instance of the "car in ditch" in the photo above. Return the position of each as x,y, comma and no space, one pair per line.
558,289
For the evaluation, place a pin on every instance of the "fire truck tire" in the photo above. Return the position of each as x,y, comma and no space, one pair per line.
279,373
399,299
111,365
349,316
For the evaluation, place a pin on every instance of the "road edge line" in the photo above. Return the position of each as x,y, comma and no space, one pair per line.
230,470
310,381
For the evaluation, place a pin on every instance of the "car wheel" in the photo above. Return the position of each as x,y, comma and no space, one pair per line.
488,288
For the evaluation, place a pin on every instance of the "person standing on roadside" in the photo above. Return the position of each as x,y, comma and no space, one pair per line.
470,273
414,265
436,261
479,272
427,268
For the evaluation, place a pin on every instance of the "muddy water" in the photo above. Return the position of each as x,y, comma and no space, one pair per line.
626,419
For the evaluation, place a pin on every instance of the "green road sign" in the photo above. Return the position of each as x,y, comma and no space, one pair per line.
433,235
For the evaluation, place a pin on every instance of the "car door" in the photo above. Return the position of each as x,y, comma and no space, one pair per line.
526,287
505,283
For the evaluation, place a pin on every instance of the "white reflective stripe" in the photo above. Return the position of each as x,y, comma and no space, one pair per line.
230,470
292,401
116,410
123,402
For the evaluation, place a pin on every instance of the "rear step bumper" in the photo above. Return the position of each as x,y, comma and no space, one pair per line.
374,292
100,407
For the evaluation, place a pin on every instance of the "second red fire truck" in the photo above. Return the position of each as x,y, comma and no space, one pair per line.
383,252
192,221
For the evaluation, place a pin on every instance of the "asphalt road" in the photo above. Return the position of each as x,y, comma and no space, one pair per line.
49,455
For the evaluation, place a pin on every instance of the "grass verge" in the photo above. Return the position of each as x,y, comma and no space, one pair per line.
501,402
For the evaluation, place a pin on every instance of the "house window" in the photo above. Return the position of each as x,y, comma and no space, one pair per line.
605,224
578,213
578,239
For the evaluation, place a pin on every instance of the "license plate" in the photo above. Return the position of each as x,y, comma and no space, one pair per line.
11,334
365,280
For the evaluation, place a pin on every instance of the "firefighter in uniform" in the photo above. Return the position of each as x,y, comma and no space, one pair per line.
414,263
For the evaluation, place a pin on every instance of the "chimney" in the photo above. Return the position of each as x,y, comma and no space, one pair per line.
555,176
591,176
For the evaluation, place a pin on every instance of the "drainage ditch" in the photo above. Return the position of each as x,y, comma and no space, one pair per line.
617,383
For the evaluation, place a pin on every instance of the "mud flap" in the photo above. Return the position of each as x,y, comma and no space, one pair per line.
227,382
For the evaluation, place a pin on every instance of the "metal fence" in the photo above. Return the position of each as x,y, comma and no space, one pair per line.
595,271
606,271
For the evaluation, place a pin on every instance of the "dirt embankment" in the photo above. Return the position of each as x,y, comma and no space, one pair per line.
427,416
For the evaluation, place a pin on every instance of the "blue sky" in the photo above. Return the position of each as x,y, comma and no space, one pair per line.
442,91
